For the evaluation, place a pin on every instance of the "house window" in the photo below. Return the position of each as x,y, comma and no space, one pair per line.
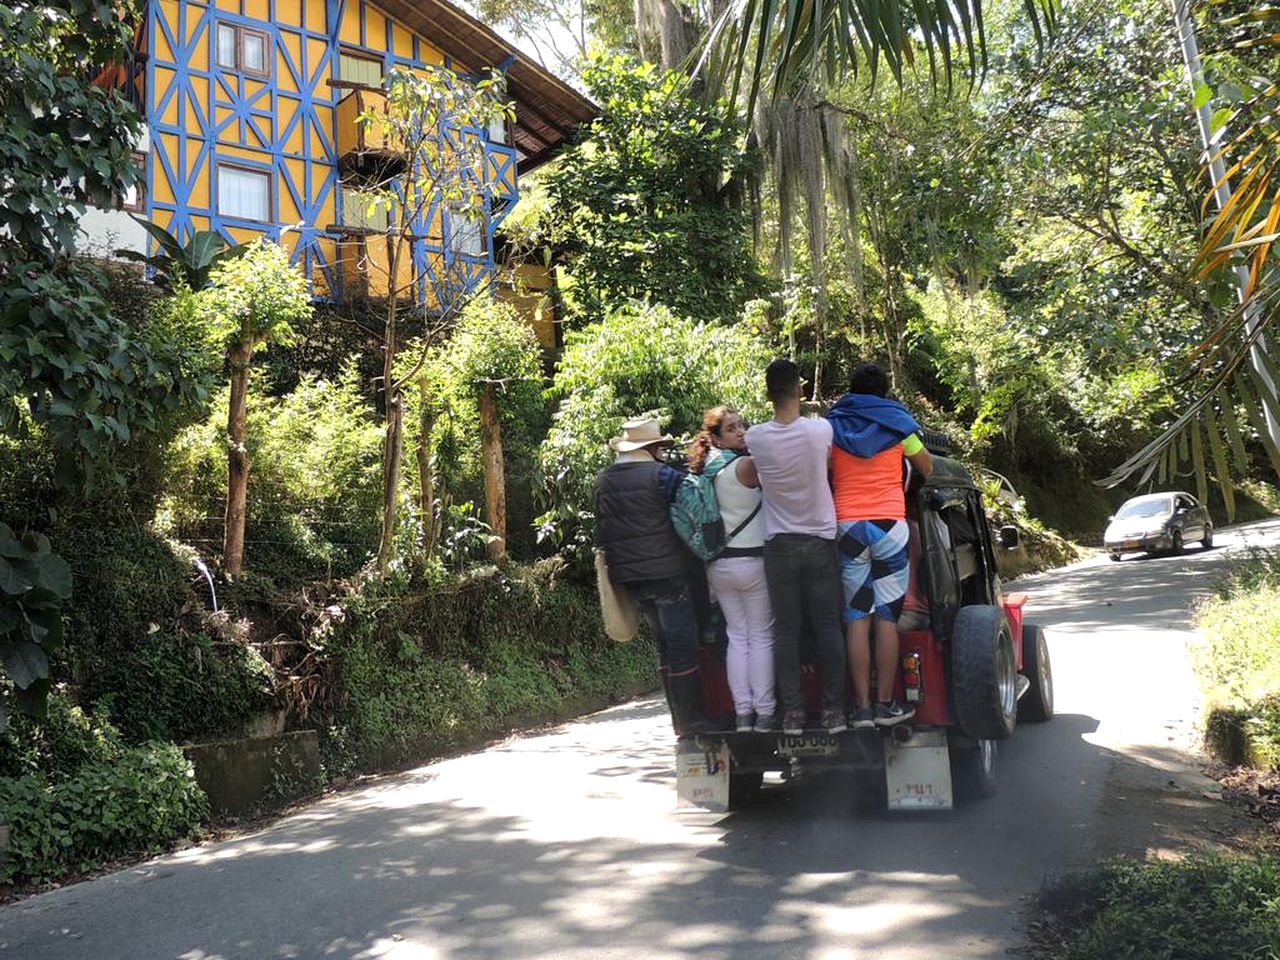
360,68
243,49
498,129
244,193
135,198
356,211
466,231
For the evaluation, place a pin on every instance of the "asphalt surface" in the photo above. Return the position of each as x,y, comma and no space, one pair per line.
567,843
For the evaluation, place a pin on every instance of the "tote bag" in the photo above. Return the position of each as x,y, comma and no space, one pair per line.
621,615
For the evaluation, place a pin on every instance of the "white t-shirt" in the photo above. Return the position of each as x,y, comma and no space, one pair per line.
791,460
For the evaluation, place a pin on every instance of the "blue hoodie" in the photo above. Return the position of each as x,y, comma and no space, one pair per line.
863,424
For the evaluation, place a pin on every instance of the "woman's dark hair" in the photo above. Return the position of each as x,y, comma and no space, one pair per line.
701,446
782,380
869,378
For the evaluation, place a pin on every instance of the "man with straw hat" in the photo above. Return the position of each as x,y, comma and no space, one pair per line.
633,527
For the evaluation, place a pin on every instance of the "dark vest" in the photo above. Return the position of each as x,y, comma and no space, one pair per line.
633,524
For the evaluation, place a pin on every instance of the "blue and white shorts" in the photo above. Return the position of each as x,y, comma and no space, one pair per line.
875,567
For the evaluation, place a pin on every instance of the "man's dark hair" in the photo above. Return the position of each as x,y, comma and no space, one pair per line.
782,380
869,378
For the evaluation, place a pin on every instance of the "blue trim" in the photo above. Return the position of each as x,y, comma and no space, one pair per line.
255,121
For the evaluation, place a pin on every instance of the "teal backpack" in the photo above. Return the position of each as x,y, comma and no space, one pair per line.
695,512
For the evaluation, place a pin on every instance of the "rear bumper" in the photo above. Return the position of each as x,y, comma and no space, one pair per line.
850,750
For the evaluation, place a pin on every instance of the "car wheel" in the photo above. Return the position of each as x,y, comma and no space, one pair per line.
1037,703
1207,542
973,770
1115,557
984,673
1175,544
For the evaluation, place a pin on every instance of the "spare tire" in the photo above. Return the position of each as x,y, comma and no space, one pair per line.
984,673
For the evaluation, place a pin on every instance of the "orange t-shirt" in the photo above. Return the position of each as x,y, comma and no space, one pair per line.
871,489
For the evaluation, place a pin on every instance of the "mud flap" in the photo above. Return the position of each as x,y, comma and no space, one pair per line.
702,774
918,772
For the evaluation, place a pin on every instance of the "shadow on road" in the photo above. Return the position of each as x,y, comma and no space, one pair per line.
530,866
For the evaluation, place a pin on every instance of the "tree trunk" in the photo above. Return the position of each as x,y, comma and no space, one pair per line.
495,487
427,480
237,461
393,438
392,458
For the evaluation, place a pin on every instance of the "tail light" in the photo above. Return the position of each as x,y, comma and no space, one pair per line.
912,683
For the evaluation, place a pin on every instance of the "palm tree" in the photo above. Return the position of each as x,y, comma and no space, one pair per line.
789,45
1230,377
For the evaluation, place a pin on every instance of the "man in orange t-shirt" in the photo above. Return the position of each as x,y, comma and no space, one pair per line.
872,438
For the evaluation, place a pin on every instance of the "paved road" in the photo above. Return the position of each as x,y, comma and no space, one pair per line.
566,844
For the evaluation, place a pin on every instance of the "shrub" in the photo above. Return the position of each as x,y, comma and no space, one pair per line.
1238,661
313,487
143,798
1197,909
639,361
416,674
492,347
60,743
134,644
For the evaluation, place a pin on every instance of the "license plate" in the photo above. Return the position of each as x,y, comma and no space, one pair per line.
1132,544
822,745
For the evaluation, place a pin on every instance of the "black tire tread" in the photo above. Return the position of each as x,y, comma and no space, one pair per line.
1032,706
975,689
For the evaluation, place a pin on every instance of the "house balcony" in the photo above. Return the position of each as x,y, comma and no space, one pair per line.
364,147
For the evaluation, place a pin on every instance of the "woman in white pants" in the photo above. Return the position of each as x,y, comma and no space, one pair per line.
736,576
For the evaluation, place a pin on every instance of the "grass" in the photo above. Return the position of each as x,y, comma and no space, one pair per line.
1206,908
1237,658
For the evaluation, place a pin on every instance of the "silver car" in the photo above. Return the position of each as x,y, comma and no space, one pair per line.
1158,522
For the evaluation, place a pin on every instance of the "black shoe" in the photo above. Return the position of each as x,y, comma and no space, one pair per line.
888,714
793,723
833,721
862,718
767,723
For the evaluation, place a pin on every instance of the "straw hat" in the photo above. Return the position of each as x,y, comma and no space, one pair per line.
636,434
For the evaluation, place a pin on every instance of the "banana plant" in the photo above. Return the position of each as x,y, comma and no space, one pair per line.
191,263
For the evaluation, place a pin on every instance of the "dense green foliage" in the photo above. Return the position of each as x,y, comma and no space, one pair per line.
255,297
85,376
648,203
91,381
1237,657
34,582
137,798
638,361
57,122
314,487
1196,909
421,672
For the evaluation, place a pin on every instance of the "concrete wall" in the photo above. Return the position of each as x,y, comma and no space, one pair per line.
247,775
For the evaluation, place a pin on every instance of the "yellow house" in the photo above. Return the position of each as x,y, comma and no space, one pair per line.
251,106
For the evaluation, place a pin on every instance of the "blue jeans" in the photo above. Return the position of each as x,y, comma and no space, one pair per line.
803,573
668,610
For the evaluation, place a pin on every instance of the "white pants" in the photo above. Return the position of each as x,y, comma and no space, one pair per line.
740,588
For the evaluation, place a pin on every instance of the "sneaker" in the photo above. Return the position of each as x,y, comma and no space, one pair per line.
862,718
767,723
742,723
833,721
793,723
887,714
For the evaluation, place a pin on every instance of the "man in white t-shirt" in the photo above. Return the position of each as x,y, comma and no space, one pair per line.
792,455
